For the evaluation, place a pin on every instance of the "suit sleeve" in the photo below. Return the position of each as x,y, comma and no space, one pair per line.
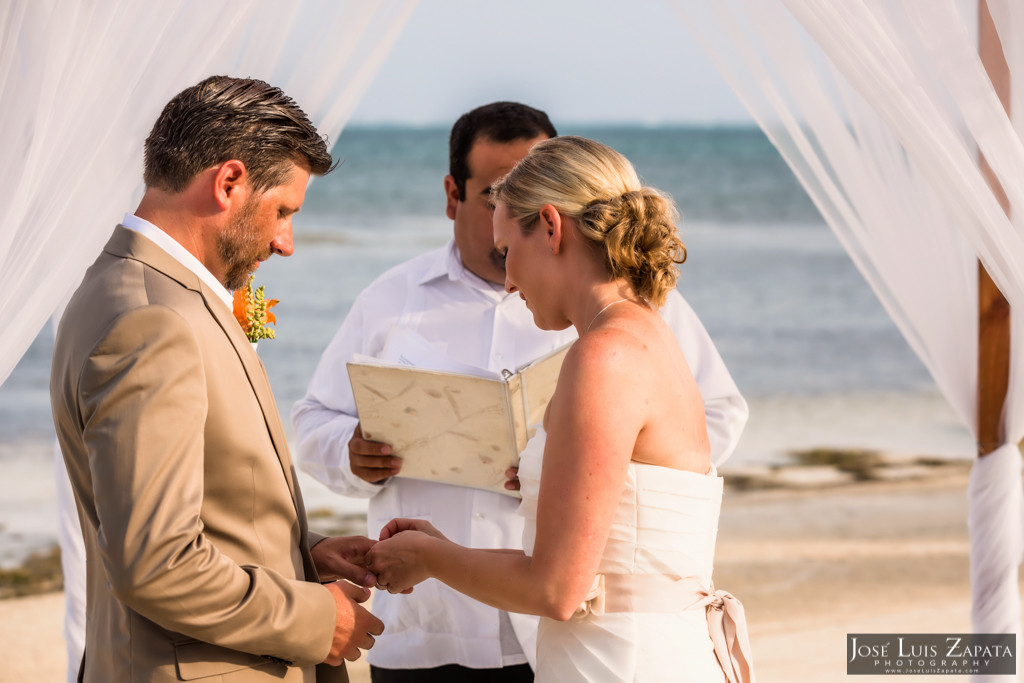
725,409
143,403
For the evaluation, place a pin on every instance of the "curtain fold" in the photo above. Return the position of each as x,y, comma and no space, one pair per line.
881,108
83,82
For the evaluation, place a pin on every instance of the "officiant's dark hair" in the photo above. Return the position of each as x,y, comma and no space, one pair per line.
223,118
498,122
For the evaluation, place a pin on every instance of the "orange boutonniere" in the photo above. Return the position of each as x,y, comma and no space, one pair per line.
252,311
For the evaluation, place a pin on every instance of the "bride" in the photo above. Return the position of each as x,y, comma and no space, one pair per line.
622,505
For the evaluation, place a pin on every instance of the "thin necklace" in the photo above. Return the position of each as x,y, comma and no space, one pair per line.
607,306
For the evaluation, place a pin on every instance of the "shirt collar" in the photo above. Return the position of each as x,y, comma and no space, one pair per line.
450,265
179,254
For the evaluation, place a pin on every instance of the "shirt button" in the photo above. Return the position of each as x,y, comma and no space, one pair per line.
478,515
497,356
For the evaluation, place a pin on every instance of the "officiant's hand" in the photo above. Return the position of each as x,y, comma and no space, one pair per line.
371,460
343,557
512,484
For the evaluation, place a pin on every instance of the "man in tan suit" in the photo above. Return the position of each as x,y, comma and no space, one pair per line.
199,563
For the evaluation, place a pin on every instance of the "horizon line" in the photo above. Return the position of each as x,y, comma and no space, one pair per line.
610,123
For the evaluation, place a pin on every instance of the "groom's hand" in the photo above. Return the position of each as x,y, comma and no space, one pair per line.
371,460
354,627
343,557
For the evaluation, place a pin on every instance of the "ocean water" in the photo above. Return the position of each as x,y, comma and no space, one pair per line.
802,333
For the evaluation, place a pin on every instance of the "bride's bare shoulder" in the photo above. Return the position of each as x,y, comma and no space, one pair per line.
610,351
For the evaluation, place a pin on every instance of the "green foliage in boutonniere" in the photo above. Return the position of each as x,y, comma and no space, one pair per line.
252,311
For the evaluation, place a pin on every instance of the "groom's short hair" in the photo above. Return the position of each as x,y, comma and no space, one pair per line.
223,118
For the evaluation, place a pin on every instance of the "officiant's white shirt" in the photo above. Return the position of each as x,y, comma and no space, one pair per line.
478,323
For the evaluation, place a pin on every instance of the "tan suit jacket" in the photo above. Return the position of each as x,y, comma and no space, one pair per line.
197,548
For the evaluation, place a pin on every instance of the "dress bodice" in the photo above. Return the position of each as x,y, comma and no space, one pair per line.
665,527
666,521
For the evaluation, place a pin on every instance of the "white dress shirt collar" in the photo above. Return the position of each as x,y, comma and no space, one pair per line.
453,267
179,253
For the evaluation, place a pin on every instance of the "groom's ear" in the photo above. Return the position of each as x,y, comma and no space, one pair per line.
230,184
551,223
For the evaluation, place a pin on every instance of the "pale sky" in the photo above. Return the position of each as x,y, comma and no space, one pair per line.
582,61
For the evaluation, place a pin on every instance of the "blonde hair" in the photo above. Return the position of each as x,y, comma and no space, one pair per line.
633,225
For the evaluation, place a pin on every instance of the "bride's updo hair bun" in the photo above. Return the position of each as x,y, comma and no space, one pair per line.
633,226
638,232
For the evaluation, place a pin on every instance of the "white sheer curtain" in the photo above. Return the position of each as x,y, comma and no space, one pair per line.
80,85
880,108
82,82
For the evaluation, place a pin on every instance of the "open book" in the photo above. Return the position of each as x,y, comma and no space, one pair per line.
463,427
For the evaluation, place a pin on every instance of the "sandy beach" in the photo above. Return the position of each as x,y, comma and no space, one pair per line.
812,555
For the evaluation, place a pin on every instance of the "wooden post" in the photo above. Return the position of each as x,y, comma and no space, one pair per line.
993,308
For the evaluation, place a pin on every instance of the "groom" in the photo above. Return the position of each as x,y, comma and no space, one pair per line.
199,563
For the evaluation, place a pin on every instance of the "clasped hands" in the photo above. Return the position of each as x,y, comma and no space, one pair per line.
399,559
394,563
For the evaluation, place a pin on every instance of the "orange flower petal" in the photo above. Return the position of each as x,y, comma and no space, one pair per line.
240,306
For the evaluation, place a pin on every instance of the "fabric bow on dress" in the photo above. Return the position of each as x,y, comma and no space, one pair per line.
727,621
727,625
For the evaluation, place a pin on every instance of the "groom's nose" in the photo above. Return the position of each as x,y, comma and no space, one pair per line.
282,244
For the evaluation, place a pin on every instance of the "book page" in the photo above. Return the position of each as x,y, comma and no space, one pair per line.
449,426
406,347
538,383
446,427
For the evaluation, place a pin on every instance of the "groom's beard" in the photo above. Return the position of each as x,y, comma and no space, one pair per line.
239,247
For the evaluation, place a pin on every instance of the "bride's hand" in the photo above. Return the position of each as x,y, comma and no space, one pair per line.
400,561
398,525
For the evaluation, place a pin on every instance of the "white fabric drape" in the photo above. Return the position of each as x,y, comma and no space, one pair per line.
80,85
880,108
82,82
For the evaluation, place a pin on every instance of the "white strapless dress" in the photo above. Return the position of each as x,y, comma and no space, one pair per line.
662,538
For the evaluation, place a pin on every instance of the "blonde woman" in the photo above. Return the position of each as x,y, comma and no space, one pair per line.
622,505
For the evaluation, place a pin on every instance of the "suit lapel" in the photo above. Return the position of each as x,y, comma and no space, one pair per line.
261,386
130,244
257,378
